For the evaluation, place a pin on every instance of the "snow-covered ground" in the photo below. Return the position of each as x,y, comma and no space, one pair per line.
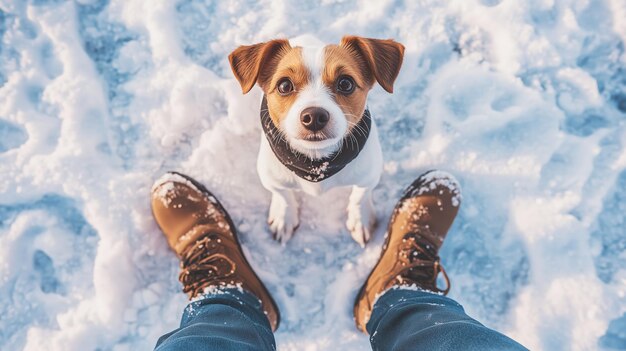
524,101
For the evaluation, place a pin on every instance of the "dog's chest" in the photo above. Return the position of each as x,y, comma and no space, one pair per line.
314,189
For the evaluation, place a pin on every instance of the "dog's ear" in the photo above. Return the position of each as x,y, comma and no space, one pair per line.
251,63
384,57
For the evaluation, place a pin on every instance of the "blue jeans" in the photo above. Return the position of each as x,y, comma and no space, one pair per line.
401,320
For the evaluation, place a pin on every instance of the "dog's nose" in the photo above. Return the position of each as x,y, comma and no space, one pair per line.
314,118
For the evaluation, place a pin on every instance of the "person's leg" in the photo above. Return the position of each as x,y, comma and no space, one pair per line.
227,320
404,319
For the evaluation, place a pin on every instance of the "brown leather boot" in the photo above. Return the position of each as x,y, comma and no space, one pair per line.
418,225
203,236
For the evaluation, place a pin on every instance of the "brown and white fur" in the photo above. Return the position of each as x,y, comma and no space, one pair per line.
314,70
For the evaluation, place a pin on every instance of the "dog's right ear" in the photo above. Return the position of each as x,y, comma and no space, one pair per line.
384,57
252,63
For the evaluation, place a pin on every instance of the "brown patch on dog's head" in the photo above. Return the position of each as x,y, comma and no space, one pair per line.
268,63
290,66
255,63
341,62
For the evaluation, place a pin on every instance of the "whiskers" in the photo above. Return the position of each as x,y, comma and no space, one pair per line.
356,129
276,135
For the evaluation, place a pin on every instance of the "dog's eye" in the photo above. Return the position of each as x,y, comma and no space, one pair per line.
345,85
285,86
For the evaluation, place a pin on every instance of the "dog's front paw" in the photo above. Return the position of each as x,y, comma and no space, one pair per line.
361,222
283,219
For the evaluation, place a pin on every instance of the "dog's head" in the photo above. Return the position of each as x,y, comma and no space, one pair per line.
317,95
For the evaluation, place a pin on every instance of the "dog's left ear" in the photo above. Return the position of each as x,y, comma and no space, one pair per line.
252,63
384,57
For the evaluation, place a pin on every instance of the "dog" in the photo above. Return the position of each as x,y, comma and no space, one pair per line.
318,133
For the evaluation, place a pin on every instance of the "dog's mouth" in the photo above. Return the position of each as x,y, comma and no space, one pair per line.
316,141
316,137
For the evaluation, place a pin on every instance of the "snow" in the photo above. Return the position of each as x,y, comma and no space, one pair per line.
524,102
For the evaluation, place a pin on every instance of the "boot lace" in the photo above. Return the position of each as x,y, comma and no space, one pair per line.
203,264
418,255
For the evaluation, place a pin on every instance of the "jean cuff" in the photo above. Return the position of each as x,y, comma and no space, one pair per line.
400,295
234,297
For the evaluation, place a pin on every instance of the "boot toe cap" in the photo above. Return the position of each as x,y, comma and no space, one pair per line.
177,206
436,183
